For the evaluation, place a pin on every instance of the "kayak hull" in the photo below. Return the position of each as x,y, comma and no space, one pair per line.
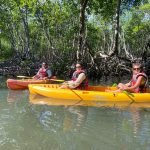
93,93
14,84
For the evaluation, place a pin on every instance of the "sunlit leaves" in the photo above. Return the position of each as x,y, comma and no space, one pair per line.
58,21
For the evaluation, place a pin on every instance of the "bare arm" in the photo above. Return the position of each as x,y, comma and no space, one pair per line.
74,84
137,84
128,84
34,77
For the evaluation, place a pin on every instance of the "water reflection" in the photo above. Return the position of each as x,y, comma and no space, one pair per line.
50,120
135,116
74,118
62,119
71,124
41,100
3,82
14,96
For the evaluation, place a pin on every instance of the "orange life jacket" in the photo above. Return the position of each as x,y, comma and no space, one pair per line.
84,84
143,86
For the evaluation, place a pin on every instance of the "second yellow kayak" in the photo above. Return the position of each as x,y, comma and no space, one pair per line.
93,93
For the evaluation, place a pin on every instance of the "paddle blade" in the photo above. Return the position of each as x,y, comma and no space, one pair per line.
114,85
128,93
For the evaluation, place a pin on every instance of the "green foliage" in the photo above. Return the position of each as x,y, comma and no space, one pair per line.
103,7
54,24
145,8
137,27
5,49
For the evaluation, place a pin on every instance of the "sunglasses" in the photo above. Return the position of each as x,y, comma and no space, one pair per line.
136,68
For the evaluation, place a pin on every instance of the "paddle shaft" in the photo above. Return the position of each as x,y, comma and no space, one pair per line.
77,95
57,80
74,92
124,91
24,77
36,79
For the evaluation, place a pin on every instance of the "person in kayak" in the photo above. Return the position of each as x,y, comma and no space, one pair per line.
79,79
138,82
43,73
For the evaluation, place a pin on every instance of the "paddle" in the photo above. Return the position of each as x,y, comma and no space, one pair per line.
73,92
24,77
57,80
114,85
124,91
128,93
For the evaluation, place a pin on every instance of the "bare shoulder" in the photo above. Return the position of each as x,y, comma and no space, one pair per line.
82,74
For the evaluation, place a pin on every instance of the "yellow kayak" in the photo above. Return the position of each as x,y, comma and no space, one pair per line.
93,93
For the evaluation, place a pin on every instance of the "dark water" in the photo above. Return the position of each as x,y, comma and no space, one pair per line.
26,126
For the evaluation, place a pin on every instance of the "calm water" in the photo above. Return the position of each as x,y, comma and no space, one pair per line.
26,126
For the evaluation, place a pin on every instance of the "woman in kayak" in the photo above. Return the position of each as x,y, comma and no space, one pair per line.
138,83
43,73
79,79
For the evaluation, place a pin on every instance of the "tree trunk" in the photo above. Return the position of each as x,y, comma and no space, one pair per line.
83,4
114,50
26,29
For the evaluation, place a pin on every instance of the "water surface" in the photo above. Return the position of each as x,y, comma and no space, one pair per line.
27,126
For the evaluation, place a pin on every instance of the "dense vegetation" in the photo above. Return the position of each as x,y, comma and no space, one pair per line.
107,35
